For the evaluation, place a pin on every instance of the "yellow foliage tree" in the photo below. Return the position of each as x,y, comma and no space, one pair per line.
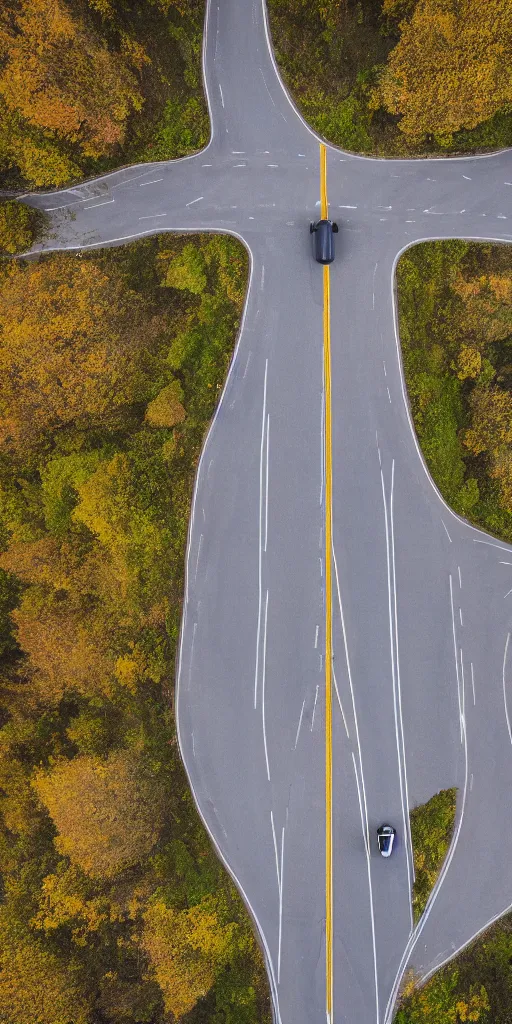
490,434
469,363
187,950
166,410
486,315
471,1008
35,987
65,899
65,652
450,69
108,812
71,341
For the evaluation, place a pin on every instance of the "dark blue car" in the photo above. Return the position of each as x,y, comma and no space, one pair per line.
324,231
385,839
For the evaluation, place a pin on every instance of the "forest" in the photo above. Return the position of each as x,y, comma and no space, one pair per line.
399,77
114,908
88,85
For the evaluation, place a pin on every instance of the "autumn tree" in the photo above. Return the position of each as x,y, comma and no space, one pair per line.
68,899
166,410
440,1002
19,225
490,434
35,986
491,421
72,344
58,75
450,69
486,313
188,949
108,812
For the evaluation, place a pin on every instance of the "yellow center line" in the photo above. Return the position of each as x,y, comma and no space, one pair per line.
329,923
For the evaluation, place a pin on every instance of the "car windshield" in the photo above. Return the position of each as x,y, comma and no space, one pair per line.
384,842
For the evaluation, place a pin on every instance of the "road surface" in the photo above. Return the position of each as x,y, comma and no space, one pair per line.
421,602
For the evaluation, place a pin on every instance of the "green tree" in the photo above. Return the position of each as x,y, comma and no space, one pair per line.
187,271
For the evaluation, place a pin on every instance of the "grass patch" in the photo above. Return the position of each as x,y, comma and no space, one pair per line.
109,382
431,831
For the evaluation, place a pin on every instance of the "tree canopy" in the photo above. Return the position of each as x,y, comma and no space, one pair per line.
84,82
74,352
450,68
108,812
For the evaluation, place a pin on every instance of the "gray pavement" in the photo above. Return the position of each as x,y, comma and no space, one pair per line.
422,610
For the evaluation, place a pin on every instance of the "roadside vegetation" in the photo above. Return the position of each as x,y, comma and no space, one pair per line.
20,226
399,77
114,907
90,85
455,315
431,831
475,987
455,312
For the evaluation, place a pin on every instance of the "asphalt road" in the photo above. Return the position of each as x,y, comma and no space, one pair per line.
422,602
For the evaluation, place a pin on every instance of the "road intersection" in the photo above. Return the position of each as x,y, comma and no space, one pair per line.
421,615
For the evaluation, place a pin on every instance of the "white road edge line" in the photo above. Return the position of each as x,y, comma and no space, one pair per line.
314,709
280,908
339,702
433,895
399,686
369,873
266,485
456,655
